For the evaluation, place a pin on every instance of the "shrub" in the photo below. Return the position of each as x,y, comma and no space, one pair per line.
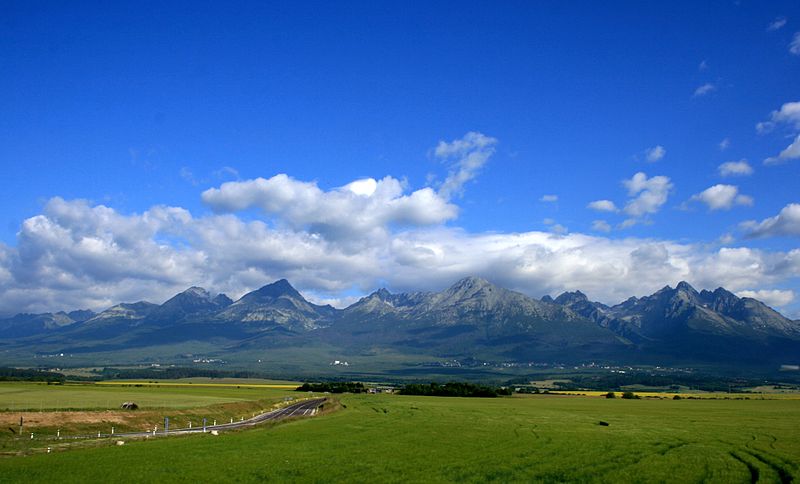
333,387
611,395
452,389
630,396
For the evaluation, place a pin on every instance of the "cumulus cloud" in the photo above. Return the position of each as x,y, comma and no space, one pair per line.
704,89
651,155
787,222
549,198
770,297
648,194
790,153
722,197
789,113
467,155
603,206
332,243
735,168
362,208
76,254
776,24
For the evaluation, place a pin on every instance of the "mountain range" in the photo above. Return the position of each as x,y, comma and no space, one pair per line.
471,319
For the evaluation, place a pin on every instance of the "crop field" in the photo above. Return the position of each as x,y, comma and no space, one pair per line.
109,395
49,411
771,395
422,439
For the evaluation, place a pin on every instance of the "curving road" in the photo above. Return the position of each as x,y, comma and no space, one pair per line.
300,409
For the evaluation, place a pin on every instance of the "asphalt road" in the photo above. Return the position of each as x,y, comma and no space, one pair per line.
300,409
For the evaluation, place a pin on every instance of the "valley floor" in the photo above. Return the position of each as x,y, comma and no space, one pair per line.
428,439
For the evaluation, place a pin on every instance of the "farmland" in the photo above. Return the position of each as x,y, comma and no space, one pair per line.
409,438
83,409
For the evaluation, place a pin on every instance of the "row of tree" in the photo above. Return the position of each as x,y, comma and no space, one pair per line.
333,387
20,374
454,389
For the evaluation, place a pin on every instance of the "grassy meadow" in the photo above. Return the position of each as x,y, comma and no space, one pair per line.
433,439
87,408
109,395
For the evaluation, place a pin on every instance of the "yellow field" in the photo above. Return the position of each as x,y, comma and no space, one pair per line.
281,386
702,395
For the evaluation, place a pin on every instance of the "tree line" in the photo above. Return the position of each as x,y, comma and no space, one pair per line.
454,389
333,387
20,374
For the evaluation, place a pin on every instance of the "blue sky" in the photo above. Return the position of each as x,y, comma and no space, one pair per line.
113,112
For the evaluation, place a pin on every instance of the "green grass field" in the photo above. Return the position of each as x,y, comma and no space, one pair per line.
422,439
109,395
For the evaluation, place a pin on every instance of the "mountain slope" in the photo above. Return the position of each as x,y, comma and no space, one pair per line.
471,319
278,303
472,316
684,322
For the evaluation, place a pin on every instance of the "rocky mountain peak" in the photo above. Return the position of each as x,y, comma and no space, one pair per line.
568,298
80,315
273,291
222,300
197,292
470,282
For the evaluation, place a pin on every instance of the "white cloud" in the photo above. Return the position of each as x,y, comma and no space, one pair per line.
649,194
704,89
794,46
790,153
468,155
776,24
789,113
365,187
724,144
603,206
703,65
722,197
549,198
337,302
787,222
601,226
735,168
654,154
361,208
76,255
770,297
